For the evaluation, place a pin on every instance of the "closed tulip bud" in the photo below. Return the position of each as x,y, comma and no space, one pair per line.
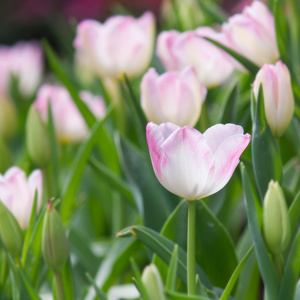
175,97
37,138
8,117
278,96
153,283
276,224
55,246
121,45
252,34
10,231
193,165
178,50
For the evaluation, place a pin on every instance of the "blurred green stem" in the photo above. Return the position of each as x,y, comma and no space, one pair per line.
59,286
277,259
191,254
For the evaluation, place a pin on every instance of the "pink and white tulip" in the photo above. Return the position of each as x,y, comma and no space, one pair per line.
193,165
17,193
121,45
252,34
24,60
278,95
68,122
178,50
174,96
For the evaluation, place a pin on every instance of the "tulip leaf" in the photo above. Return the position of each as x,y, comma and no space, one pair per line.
77,169
249,65
235,276
163,247
209,231
213,10
291,270
68,280
294,214
179,296
265,153
172,272
31,291
98,291
6,156
266,266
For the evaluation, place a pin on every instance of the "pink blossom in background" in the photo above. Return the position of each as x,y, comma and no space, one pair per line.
120,45
193,165
178,50
68,122
278,95
174,96
17,193
252,34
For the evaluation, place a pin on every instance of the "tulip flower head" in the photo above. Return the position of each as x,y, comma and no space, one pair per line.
178,50
175,97
278,96
252,34
193,165
17,193
68,122
121,45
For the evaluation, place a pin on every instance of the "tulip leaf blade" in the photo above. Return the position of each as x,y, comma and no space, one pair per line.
180,296
31,291
213,10
249,65
294,214
172,272
265,263
78,167
235,275
98,291
265,153
68,280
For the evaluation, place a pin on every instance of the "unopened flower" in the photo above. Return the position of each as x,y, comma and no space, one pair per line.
17,193
175,97
121,45
252,34
177,50
193,165
68,122
278,96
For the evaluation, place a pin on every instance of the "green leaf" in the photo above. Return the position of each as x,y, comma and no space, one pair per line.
98,291
77,169
209,232
68,280
294,214
163,247
179,296
172,272
235,276
249,65
213,10
265,153
31,291
266,266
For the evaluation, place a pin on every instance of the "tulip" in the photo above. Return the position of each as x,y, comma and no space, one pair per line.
174,97
252,34
276,224
24,60
278,96
194,165
120,45
68,122
178,50
17,193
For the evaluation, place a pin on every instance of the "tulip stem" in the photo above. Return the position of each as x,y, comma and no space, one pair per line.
191,249
277,259
59,286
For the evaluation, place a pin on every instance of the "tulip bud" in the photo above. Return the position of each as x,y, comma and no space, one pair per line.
10,231
37,138
278,96
153,283
55,247
276,224
8,118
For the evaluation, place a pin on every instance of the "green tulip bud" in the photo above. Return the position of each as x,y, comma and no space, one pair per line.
8,118
55,245
276,224
10,232
153,283
37,138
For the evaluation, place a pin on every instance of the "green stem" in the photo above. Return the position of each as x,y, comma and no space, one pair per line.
191,249
59,286
277,259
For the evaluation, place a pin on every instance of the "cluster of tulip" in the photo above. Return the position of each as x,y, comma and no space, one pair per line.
238,62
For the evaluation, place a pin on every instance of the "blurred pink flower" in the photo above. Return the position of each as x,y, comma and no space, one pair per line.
174,96
194,165
120,45
68,122
17,193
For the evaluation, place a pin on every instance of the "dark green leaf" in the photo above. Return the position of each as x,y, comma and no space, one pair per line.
180,296
98,291
172,272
